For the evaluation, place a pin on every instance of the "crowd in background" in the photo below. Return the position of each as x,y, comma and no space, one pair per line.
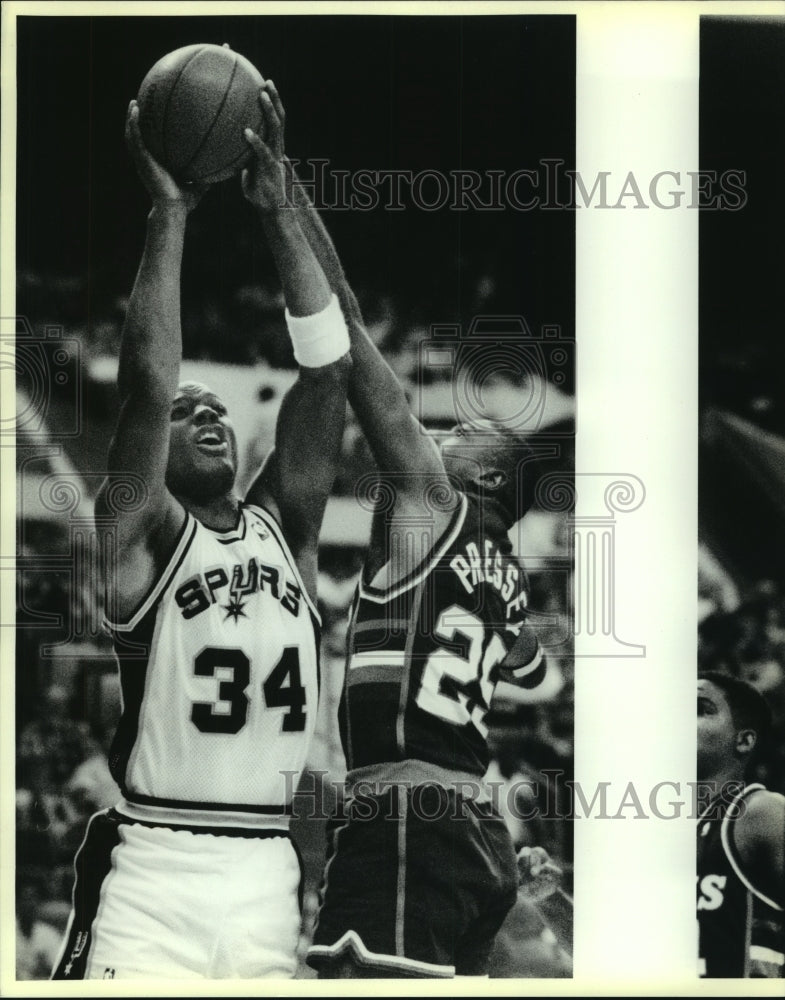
67,688
741,589
68,698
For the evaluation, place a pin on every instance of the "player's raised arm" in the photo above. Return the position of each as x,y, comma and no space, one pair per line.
147,378
297,478
397,439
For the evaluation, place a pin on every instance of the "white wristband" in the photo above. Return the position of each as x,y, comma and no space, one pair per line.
321,338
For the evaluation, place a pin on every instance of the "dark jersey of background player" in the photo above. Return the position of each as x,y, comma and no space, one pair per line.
740,839
441,603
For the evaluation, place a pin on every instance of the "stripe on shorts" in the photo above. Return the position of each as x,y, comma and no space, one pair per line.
400,902
92,864
352,942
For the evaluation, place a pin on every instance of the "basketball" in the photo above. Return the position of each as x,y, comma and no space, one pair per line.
193,106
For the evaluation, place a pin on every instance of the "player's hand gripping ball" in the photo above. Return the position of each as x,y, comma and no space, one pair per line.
538,876
194,105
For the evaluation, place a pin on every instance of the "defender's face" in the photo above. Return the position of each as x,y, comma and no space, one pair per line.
463,451
202,442
716,730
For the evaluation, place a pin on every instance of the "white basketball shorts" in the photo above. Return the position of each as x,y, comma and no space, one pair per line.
152,901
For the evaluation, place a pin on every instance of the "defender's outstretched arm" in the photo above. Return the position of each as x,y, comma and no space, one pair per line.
398,441
297,477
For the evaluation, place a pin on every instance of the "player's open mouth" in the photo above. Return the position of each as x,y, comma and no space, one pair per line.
212,443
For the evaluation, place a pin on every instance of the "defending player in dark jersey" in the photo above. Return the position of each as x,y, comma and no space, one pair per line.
211,604
423,652
741,839
421,871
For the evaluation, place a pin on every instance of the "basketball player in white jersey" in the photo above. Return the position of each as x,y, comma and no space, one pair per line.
211,603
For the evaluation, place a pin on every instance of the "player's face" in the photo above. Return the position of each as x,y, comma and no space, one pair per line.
716,730
463,451
202,443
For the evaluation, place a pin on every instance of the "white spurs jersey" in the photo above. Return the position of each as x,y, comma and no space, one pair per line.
219,671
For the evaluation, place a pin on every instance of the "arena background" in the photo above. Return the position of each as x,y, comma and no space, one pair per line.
741,475
376,93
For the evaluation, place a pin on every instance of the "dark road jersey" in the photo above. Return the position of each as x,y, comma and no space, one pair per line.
740,928
423,654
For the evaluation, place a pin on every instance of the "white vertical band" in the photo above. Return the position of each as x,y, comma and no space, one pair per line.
319,339
637,335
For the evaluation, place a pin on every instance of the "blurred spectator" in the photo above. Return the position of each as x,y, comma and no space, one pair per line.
526,946
52,745
37,940
716,590
514,785
33,843
91,787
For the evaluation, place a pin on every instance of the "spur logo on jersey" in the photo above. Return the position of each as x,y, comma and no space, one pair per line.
711,891
474,568
215,588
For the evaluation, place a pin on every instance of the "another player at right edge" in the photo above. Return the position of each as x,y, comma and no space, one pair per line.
422,886
741,839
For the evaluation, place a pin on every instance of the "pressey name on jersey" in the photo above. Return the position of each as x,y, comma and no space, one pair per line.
491,568
424,652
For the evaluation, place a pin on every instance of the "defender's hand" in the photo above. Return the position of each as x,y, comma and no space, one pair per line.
538,876
263,182
160,184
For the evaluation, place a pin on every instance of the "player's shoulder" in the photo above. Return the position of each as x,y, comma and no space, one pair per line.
482,517
759,828
471,538
262,514
764,810
261,523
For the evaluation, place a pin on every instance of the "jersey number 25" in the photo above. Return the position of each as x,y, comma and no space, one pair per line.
457,687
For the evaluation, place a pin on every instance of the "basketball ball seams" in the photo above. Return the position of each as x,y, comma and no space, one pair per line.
222,173
172,88
194,103
217,115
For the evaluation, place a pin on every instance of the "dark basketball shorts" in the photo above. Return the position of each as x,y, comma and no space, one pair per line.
417,882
